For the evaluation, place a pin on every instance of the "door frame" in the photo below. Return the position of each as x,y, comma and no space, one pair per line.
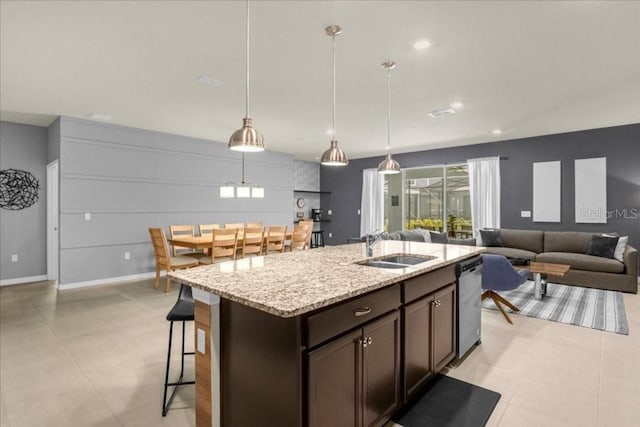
53,220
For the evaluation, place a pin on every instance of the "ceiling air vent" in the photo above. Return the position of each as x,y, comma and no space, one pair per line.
443,112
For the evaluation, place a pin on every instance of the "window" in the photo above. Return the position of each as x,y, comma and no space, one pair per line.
433,198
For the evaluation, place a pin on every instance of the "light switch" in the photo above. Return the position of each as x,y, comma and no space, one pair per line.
200,345
329,212
14,258
127,256
358,211
87,216
525,214
330,235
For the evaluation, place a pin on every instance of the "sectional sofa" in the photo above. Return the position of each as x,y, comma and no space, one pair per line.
560,247
570,247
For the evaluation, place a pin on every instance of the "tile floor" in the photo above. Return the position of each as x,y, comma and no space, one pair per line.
95,357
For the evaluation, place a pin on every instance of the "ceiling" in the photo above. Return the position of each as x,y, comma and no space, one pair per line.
527,68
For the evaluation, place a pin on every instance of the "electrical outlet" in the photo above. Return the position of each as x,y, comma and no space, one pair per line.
200,343
87,216
358,211
525,214
329,212
14,258
127,256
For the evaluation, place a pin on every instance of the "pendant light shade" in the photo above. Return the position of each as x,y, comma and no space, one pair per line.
246,139
389,166
334,156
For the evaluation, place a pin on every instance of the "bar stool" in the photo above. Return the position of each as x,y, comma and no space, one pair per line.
317,239
182,311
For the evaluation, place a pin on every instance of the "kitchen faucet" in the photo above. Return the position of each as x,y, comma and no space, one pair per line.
371,240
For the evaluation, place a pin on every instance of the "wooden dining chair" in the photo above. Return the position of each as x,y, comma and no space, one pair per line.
239,225
205,229
254,224
164,260
182,231
298,237
309,223
252,241
223,245
276,236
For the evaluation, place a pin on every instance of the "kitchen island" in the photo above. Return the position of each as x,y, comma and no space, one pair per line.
315,338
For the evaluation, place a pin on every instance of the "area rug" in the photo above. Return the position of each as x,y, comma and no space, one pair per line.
590,308
448,402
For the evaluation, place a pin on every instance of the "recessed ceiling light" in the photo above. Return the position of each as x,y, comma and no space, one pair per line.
421,44
98,116
208,80
443,112
457,105
496,131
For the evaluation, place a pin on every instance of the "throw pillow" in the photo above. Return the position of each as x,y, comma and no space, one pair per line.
620,247
413,236
439,237
491,238
425,234
602,246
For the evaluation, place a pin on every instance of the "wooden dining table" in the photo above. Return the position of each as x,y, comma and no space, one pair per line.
204,242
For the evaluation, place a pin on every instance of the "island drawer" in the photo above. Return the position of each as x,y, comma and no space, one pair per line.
424,284
347,315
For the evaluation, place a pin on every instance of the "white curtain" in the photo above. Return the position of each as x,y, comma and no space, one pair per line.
484,188
372,205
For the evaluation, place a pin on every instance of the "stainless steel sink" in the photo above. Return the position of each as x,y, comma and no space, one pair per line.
397,261
383,264
407,259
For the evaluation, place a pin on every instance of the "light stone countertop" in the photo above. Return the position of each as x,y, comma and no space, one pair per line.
298,282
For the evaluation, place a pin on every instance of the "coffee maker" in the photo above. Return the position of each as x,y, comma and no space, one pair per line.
316,214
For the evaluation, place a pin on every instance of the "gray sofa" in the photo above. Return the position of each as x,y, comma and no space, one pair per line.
560,247
570,247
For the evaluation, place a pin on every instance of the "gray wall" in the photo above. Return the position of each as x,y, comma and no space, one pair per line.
306,176
131,179
620,145
53,149
23,232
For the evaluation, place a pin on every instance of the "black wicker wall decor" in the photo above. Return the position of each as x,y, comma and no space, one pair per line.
18,189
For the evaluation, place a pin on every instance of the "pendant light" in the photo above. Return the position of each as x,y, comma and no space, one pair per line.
241,190
334,156
389,166
246,139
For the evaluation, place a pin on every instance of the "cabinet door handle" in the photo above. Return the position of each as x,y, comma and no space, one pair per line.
369,340
362,342
362,311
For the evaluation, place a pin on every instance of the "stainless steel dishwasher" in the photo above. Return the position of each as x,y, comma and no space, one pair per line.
469,289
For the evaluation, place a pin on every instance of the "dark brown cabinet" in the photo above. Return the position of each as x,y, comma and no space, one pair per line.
429,337
355,380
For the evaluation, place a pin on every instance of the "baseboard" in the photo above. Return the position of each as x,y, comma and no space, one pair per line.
106,281
21,280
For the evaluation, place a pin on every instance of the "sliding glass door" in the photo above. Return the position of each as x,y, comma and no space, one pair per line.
433,198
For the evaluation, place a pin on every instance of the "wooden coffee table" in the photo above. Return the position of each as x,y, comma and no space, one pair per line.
540,272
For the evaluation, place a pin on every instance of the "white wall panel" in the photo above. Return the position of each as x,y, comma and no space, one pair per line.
591,190
546,191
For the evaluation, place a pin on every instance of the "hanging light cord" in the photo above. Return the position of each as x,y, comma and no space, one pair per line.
333,39
243,168
388,109
247,83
